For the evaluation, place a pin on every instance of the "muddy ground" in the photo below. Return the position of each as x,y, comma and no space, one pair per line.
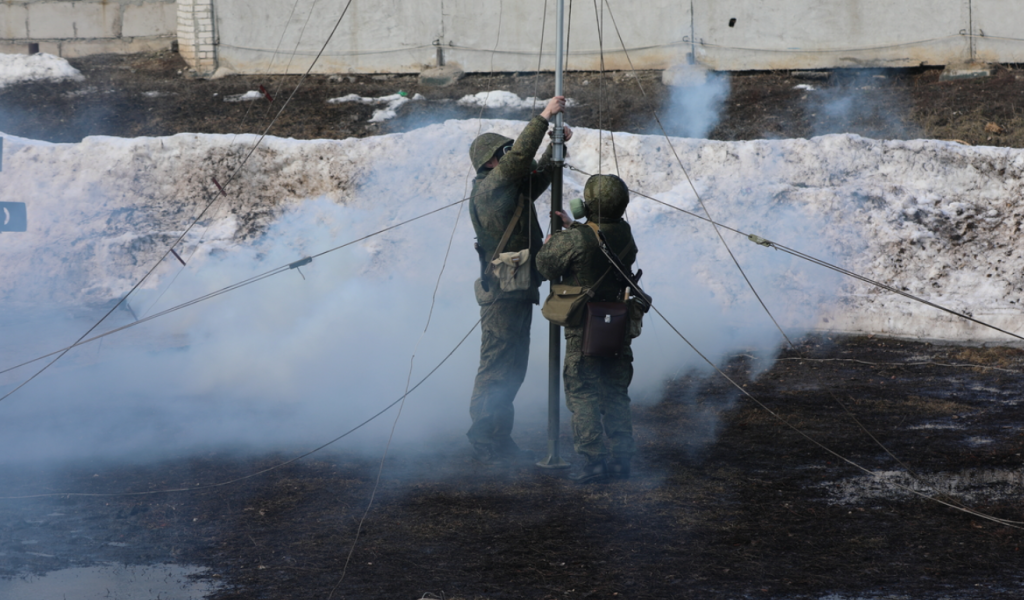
756,510
151,95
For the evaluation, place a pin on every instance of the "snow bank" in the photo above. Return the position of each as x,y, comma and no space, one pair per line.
937,219
296,358
20,68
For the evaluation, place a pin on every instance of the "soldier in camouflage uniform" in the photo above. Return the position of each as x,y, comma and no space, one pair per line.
596,388
506,176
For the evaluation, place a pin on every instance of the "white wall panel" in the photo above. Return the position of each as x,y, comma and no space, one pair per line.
999,31
808,34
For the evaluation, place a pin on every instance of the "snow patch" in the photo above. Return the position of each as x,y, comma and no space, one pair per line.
246,97
393,102
20,68
503,99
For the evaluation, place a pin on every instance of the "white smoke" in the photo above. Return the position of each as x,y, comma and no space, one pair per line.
290,362
696,98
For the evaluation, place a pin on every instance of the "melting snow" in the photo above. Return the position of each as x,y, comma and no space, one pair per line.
393,101
503,99
936,219
246,97
19,68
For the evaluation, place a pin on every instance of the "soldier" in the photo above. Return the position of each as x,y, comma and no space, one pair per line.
507,183
596,388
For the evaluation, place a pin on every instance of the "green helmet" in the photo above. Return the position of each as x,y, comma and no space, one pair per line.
606,197
484,146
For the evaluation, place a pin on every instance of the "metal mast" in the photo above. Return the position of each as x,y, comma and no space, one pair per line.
553,460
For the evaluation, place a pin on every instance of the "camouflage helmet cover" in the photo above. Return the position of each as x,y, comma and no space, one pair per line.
606,197
484,146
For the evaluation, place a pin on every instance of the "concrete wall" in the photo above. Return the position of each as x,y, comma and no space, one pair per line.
84,27
505,35
257,36
816,34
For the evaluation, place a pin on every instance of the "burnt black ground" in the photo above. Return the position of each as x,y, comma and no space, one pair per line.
747,512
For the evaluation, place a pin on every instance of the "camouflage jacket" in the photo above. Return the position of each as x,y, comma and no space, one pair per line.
496,192
575,256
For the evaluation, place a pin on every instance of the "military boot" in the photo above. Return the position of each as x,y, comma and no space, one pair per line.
619,467
595,471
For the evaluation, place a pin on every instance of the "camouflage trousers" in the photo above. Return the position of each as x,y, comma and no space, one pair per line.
597,394
504,353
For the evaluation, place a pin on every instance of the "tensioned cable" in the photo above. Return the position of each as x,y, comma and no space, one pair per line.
600,98
412,359
822,263
801,433
245,119
170,249
690,181
913,474
599,15
197,488
394,425
232,287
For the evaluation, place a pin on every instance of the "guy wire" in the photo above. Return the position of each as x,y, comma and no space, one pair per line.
412,359
232,287
164,256
801,433
245,119
686,173
268,469
600,97
818,261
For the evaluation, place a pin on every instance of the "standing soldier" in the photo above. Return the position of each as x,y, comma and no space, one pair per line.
597,387
507,183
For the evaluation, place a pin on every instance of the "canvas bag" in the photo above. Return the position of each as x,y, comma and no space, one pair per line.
565,303
512,270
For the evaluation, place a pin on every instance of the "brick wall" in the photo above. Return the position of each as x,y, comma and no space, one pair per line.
196,35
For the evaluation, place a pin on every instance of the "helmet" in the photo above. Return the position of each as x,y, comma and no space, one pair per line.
484,146
606,197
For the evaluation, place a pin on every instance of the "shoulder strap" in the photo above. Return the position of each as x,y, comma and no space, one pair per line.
508,230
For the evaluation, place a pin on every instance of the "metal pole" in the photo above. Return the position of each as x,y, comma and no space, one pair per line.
554,461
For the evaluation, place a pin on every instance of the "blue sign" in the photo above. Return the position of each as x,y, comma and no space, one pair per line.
13,216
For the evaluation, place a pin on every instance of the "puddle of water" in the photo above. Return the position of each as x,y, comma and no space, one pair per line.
110,582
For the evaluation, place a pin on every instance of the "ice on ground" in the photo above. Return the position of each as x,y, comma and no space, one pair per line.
393,102
21,68
503,99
